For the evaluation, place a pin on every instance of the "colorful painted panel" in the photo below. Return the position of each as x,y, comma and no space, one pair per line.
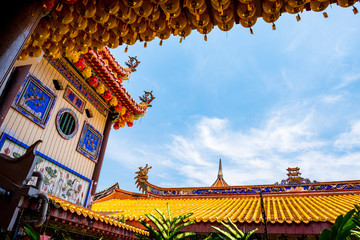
35,101
59,180
90,142
74,99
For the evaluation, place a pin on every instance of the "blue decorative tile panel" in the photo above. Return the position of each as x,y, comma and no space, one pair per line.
35,101
90,142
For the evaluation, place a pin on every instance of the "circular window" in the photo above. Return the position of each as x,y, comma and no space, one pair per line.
67,123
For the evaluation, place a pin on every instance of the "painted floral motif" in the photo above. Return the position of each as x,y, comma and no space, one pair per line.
58,181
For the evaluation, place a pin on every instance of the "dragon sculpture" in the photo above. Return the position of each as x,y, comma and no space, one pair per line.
142,176
132,63
147,98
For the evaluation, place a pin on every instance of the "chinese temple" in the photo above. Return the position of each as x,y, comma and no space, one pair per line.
67,106
298,209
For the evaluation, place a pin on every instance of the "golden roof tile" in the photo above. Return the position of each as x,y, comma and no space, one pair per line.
278,209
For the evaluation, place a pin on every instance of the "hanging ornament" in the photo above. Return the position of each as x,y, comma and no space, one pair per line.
158,25
246,11
170,6
24,54
207,29
129,124
72,33
226,15
197,12
133,3
48,4
204,19
148,35
144,10
154,15
93,81
296,3
79,22
86,9
91,27
248,23
42,31
129,39
346,3
293,10
107,95
139,27
124,12
86,72
113,101
111,23
318,6
102,35
113,41
270,17
271,7
100,89
100,15
178,23
121,30
118,107
65,15
186,31
226,26
132,19
109,6
164,34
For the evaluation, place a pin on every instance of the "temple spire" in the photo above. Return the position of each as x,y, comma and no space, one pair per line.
220,182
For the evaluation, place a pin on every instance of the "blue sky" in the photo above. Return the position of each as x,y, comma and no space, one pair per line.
261,103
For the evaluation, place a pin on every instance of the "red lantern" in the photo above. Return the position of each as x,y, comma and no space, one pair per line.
116,126
48,4
119,79
129,124
107,95
118,107
94,81
80,64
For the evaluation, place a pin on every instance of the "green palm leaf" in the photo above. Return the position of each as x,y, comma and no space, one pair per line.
156,220
163,217
176,230
224,233
184,234
232,231
151,230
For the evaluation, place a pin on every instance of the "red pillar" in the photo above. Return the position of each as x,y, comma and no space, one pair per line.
18,19
100,160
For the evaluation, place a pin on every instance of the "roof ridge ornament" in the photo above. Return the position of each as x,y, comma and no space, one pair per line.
132,63
220,182
294,178
142,176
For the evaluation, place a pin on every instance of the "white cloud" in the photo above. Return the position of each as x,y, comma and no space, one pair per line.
351,138
331,98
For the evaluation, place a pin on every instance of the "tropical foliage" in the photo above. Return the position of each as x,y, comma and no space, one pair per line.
233,233
167,227
345,227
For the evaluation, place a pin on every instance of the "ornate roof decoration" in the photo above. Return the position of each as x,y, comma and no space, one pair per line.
103,73
74,27
220,182
294,178
142,177
249,190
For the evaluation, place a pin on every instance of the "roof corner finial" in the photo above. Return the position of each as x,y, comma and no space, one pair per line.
220,173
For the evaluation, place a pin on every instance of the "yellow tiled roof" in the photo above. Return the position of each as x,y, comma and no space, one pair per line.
67,206
279,209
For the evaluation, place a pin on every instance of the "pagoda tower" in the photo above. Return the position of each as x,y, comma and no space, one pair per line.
220,182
